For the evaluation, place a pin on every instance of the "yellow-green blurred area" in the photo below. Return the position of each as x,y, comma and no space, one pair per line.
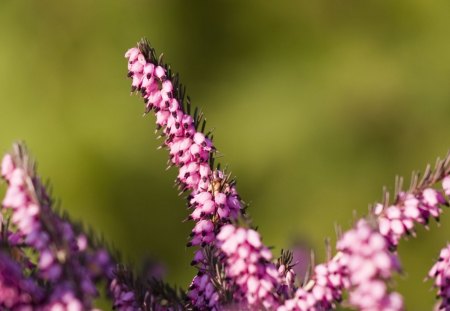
315,105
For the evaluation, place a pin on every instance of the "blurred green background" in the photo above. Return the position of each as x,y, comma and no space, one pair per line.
315,104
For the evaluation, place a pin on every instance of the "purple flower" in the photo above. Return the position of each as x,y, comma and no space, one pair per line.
123,296
17,292
62,259
202,293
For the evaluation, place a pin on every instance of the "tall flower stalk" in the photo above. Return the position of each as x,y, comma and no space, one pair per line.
213,198
190,150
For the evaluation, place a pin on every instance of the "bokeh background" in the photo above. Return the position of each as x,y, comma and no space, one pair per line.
315,104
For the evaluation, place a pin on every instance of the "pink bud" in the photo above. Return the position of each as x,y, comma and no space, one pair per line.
204,170
132,54
196,214
223,212
384,226
266,254
17,177
431,197
446,185
160,72
393,212
7,166
174,106
187,119
193,167
225,232
14,198
141,60
137,68
240,235
199,138
383,261
82,242
167,86
230,245
155,98
202,197
253,238
243,251
412,210
252,284
209,207
149,68
378,209
377,242
220,198
397,227
45,260
162,117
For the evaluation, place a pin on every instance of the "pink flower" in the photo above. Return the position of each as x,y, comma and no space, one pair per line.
53,238
398,220
247,264
446,185
440,272
367,263
202,293
7,166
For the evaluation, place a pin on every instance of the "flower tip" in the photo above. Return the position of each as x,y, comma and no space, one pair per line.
7,166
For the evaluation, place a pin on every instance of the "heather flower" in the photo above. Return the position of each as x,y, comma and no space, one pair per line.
446,185
368,264
302,301
417,205
286,272
398,220
213,199
248,266
60,261
322,291
121,288
362,266
202,293
440,272
17,292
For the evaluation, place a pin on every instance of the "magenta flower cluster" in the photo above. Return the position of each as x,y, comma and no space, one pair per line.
248,264
17,292
368,264
362,266
61,252
440,272
322,291
399,219
48,262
